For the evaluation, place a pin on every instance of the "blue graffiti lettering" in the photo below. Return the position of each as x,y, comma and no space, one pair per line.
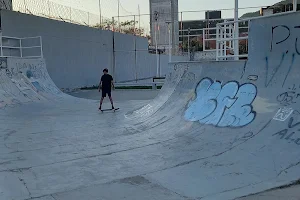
227,106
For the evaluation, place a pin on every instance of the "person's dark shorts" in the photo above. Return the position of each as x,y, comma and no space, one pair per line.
104,92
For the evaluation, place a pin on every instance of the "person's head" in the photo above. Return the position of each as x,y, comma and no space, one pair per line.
105,71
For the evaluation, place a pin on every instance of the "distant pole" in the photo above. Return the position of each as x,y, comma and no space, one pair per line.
189,54
139,19
156,50
119,15
156,45
100,13
25,6
236,30
70,14
181,27
134,27
295,3
49,7
170,47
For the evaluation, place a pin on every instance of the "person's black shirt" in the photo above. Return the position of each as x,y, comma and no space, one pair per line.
106,81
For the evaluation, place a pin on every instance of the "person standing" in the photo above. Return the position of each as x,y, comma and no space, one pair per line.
106,84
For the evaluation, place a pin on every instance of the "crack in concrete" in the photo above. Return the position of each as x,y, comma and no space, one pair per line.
24,183
53,197
289,167
7,135
215,155
273,189
87,157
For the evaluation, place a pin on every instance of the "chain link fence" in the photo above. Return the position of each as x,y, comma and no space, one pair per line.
56,11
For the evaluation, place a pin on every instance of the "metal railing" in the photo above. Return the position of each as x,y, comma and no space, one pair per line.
226,39
208,37
27,47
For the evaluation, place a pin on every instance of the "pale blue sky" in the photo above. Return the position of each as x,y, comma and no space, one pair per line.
109,7
130,7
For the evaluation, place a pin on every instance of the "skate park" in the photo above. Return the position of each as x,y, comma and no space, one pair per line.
225,129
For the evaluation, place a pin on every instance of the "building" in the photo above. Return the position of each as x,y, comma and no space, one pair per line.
164,15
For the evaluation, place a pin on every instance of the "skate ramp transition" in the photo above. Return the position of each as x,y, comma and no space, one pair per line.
217,130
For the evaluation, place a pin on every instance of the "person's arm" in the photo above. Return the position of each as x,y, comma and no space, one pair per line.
112,83
100,85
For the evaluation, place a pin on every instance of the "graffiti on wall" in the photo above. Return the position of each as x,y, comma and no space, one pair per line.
282,34
229,105
286,33
283,114
291,132
30,69
290,96
35,74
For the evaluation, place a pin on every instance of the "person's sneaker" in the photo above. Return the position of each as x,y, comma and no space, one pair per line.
112,107
100,108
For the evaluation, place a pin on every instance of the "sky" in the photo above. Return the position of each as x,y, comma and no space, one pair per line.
128,7
109,8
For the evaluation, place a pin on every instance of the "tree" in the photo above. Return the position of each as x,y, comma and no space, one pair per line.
107,24
195,45
127,27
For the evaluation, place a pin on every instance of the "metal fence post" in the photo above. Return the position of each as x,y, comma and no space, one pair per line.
217,42
134,25
182,38
21,49
295,4
100,13
1,45
70,14
25,6
41,44
203,38
236,30
189,54
49,8
113,49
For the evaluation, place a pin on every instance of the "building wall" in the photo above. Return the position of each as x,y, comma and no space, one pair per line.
75,54
167,12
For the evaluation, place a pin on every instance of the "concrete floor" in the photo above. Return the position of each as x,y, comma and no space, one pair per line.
118,95
290,193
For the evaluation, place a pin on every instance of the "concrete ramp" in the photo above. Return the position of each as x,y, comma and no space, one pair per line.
34,73
216,131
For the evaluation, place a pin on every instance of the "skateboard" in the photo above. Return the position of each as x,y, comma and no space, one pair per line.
110,109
